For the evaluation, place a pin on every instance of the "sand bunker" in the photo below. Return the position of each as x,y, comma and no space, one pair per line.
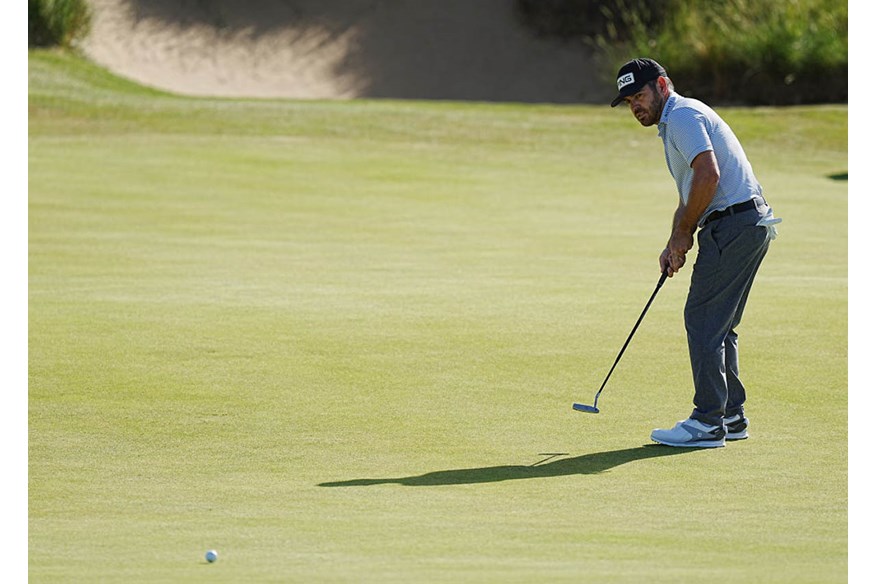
340,49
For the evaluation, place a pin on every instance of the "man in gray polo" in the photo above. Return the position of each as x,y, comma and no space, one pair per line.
720,196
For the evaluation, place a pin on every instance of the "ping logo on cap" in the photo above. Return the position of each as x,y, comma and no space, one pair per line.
625,80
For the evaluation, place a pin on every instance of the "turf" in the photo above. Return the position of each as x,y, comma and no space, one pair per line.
339,342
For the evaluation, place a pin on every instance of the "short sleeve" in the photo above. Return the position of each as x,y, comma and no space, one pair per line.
688,130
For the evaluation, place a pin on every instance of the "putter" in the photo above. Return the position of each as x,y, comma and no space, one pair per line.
593,409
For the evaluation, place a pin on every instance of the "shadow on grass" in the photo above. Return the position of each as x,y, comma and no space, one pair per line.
587,464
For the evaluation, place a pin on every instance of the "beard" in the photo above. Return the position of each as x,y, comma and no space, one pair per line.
650,115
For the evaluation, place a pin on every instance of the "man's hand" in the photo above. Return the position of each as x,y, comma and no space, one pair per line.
675,254
671,263
680,242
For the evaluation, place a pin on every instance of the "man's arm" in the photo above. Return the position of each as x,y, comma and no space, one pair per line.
684,223
665,263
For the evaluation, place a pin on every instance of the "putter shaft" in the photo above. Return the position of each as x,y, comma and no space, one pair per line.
624,348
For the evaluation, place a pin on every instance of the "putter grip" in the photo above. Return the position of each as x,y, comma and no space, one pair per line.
663,277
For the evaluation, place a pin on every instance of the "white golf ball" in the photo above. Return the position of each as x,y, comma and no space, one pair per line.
211,556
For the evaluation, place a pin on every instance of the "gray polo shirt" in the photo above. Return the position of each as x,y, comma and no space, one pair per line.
689,127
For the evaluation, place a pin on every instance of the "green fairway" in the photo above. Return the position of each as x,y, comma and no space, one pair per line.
339,342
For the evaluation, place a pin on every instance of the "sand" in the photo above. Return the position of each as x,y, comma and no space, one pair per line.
336,49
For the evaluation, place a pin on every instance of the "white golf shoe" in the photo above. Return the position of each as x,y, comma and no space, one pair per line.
737,427
691,433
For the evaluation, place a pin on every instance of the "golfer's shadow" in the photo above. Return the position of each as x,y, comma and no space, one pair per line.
587,464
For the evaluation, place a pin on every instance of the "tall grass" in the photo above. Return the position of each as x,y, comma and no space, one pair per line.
57,22
777,52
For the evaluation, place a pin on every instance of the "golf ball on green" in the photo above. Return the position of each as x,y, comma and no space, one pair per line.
211,556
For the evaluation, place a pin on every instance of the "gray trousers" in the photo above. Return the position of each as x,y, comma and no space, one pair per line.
731,250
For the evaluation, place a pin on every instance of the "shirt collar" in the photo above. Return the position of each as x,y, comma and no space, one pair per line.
670,103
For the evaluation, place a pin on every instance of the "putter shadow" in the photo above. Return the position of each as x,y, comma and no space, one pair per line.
594,463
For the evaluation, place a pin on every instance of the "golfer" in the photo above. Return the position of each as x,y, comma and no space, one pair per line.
721,201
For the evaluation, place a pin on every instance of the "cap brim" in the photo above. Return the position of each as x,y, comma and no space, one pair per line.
628,91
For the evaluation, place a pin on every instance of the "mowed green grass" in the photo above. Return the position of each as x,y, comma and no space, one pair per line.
339,342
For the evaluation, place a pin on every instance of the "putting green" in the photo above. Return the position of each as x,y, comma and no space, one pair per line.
339,341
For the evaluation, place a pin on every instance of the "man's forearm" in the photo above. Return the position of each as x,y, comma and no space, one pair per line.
702,191
677,216
684,223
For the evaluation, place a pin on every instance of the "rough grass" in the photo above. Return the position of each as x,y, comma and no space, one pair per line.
339,341
57,23
782,52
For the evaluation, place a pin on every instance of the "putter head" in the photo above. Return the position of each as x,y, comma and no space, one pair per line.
585,408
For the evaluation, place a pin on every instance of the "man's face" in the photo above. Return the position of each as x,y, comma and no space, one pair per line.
646,105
